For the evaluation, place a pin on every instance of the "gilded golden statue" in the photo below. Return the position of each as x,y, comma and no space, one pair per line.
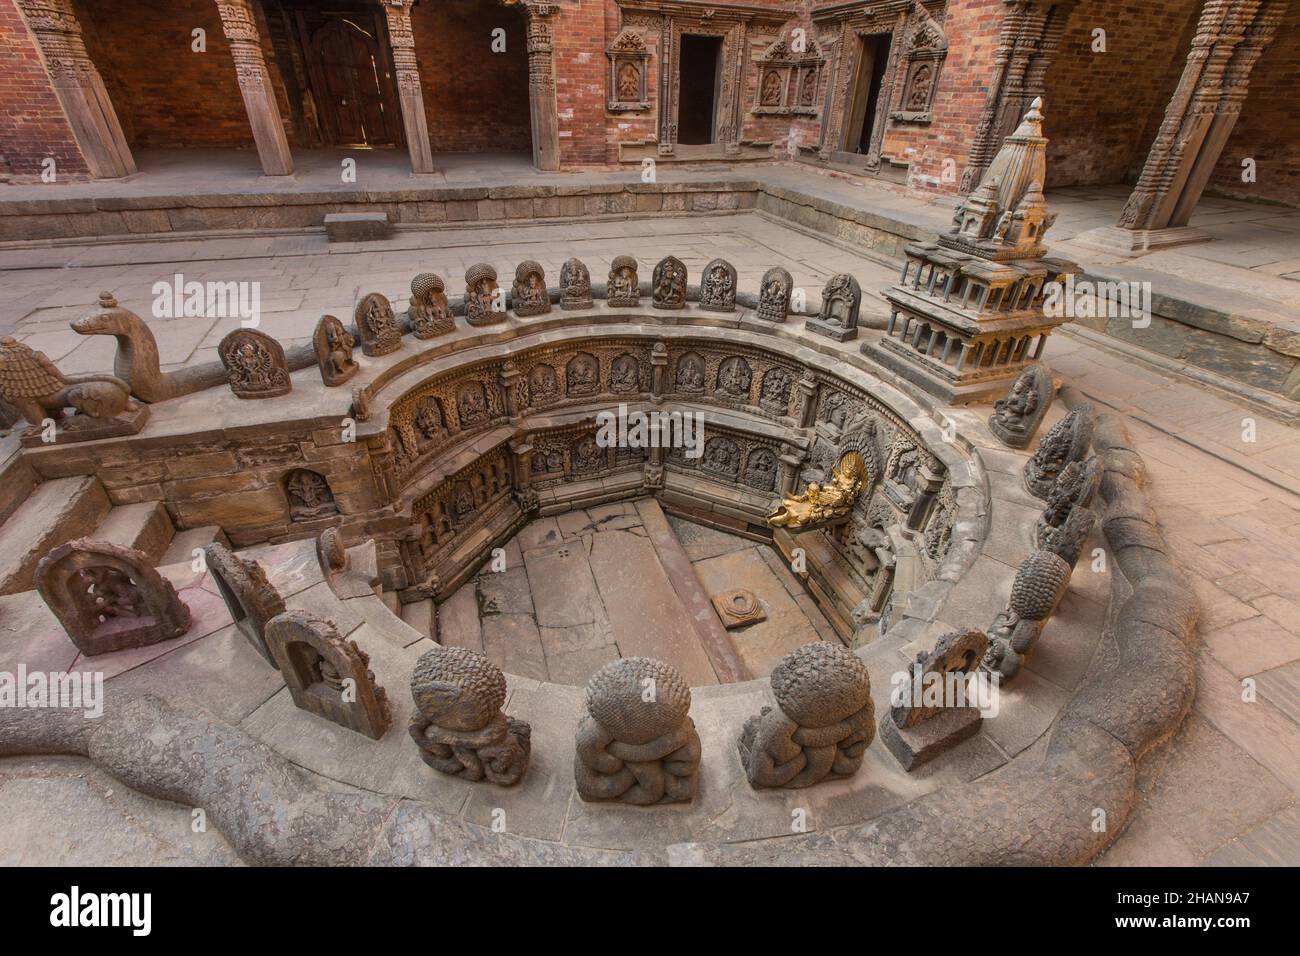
823,504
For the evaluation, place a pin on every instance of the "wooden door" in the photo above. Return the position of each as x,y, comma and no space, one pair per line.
355,98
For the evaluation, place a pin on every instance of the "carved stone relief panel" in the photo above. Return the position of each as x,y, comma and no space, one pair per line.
788,78
629,67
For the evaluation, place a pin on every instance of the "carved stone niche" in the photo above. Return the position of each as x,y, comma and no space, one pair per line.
575,285
788,79
484,303
821,726
380,333
429,312
328,675
334,344
931,713
926,47
623,289
249,597
309,495
774,295
1017,416
635,750
668,284
108,598
529,295
838,317
629,62
718,287
461,729
255,364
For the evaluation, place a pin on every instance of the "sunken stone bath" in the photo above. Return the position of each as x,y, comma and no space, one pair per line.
401,576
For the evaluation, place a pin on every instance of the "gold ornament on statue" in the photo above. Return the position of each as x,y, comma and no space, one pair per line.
824,504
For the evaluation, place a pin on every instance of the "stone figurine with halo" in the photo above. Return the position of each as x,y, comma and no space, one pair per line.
1016,416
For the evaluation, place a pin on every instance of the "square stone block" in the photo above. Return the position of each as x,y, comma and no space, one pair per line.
914,746
836,332
357,226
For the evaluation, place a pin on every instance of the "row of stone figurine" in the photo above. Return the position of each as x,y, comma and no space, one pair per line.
257,367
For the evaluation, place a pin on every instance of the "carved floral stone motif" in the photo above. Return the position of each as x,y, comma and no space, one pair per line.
1066,441
821,726
484,301
1017,416
429,312
333,344
633,749
37,390
529,295
774,295
374,319
249,597
838,316
255,364
931,715
309,495
109,598
575,285
328,675
668,284
461,729
718,287
623,289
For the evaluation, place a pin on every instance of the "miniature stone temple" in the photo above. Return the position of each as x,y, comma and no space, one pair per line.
327,674
1066,441
575,285
109,598
668,284
1039,585
623,288
429,312
333,344
821,726
375,321
636,743
718,287
838,317
461,729
255,363
484,300
1016,415
933,711
248,594
968,313
33,385
529,295
774,295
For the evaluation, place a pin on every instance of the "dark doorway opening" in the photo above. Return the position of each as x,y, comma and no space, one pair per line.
700,72
872,60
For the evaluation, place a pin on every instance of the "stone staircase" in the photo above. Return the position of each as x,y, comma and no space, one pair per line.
57,511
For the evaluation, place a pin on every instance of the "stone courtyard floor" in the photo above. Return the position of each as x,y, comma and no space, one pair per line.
1225,481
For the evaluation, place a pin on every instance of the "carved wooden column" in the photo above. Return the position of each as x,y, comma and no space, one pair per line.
411,94
240,26
542,107
1230,36
79,87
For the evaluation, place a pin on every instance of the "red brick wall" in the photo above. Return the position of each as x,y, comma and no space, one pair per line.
1102,109
32,123
476,100
1268,130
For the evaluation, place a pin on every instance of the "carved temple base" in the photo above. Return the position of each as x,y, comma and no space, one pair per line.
832,331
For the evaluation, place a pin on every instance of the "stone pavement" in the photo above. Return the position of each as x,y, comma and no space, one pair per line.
1224,477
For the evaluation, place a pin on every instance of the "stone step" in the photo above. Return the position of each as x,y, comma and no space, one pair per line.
55,513
422,616
183,544
146,527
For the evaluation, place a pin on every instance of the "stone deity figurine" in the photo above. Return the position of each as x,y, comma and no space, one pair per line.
1016,417
374,318
429,312
623,288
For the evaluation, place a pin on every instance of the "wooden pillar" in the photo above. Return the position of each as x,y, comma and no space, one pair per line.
414,120
79,87
542,108
239,24
1230,37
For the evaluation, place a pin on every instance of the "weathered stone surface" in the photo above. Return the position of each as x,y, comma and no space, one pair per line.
56,511
357,226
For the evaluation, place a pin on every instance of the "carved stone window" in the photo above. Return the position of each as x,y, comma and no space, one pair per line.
788,80
926,49
628,65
